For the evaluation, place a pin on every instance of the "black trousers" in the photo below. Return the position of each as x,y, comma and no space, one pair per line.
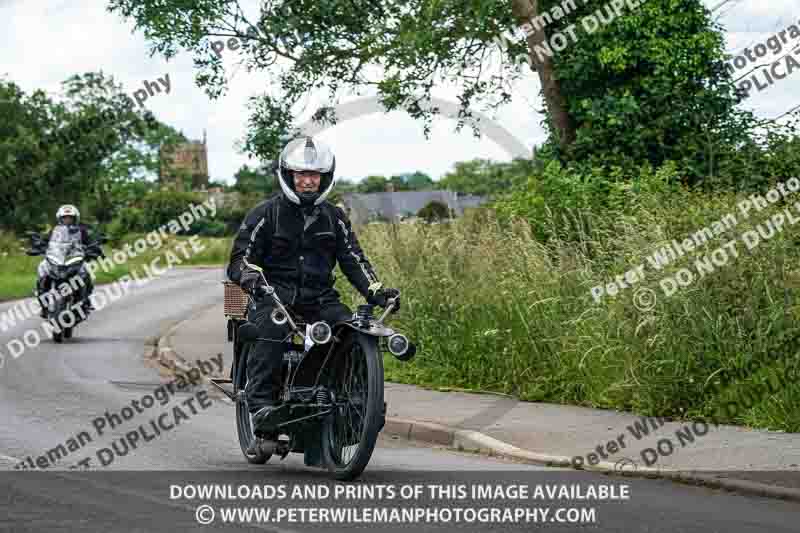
265,358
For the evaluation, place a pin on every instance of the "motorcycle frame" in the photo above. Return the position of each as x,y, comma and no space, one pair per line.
290,393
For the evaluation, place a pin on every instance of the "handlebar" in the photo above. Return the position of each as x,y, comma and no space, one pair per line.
269,290
390,305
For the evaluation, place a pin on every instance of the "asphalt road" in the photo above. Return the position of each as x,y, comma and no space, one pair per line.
53,394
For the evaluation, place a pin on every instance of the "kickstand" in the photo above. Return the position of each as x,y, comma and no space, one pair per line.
216,382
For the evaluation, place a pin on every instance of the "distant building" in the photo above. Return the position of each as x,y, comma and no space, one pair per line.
363,208
185,161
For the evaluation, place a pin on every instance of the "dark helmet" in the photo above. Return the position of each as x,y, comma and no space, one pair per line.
306,154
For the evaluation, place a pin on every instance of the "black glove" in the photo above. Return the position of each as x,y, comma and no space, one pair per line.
252,282
382,296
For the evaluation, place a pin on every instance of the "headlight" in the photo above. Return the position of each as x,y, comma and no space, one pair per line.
279,317
320,332
400,347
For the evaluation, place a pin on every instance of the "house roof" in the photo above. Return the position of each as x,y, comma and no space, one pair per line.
391,204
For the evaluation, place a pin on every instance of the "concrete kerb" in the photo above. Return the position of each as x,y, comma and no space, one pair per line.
164,355
477,442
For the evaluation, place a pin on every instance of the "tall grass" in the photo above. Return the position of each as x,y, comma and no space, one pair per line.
493,308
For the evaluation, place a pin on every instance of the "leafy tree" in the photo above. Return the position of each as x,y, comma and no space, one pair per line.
419,181
335,45
434,211
343,186
411,182
610,96
484,177
91,149
58,152
103,135
398,183
213,183
23,156
372,184
649,87
255,181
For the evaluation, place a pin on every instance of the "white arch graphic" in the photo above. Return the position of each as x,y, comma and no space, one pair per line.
372,104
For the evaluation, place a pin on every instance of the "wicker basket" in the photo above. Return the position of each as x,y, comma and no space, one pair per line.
236,300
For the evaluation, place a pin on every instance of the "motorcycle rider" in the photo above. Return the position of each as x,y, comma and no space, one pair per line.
242,238
298,239
69,216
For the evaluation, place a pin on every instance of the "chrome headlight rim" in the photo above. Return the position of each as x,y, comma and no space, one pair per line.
279,317
390,345
326,337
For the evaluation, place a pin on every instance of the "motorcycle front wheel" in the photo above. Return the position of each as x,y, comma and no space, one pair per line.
350,432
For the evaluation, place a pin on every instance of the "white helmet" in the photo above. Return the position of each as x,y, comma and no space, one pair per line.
68,210
306,154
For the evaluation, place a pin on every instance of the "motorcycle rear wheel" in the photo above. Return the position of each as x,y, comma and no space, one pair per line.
357,384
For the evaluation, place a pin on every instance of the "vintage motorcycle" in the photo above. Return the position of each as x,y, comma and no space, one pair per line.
64,259
332,384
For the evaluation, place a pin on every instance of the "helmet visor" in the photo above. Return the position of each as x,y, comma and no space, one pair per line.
304,154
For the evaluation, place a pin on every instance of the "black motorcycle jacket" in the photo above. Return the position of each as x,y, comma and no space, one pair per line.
298,253
243,239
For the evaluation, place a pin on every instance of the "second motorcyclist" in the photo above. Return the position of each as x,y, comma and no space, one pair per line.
68,216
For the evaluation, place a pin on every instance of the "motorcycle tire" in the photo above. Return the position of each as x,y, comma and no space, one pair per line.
359,366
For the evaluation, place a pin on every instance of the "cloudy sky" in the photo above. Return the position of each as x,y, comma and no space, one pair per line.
43,42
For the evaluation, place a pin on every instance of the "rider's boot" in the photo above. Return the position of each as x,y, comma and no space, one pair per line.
40,290
43,311
258,423
89,290
262,415
252,449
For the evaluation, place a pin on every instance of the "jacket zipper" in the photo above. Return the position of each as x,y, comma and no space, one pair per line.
302,257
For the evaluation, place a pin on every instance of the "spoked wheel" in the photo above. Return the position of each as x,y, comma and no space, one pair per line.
244,424
349,434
